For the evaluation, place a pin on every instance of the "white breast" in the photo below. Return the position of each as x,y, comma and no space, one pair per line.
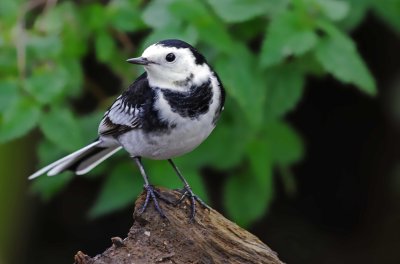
184,137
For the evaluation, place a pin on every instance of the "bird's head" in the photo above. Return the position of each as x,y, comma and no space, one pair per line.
173,64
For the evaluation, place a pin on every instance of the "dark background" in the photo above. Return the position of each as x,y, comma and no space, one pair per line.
346,209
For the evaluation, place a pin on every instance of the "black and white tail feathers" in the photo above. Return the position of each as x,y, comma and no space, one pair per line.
80,161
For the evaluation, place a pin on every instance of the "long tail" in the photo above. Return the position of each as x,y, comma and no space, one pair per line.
80,161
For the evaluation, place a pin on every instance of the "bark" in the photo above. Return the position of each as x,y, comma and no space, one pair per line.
211,238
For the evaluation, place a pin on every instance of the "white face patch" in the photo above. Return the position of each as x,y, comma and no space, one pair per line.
175,74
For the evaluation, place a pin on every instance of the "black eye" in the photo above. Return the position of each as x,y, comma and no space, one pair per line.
170,57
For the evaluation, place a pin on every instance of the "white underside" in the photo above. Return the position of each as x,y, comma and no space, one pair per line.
179,141
187,135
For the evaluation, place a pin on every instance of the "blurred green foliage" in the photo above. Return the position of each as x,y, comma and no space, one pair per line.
262,49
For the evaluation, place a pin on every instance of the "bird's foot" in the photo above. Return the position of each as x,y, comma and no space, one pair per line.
153,194
188,193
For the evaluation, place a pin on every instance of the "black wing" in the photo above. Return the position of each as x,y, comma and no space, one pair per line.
129,110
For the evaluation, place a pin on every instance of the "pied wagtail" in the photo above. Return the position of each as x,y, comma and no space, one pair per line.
168,111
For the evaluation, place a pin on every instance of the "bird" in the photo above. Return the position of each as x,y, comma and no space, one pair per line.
166,112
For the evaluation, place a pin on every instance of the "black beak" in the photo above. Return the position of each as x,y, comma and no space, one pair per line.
139,60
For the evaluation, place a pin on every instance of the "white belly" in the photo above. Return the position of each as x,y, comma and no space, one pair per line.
184,137
164,145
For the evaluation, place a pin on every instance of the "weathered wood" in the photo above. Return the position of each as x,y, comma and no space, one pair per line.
211,238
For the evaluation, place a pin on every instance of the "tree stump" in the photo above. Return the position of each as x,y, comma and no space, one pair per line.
211,238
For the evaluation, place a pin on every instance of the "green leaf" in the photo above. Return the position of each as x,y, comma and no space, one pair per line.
357,14
8,57
45,84
94,15
61,127
245,199
389,11
8,94
162,174
119,190
285,87
334,9
284,143
75,45
74,73
157,14
232,11
88,125
44,47
249,30
124,15
104,46
244,81
9,11
287,35
50,21
338,55
259,155
19,119
210,29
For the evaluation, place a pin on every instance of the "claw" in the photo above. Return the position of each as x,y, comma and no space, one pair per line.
153,194
188,193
